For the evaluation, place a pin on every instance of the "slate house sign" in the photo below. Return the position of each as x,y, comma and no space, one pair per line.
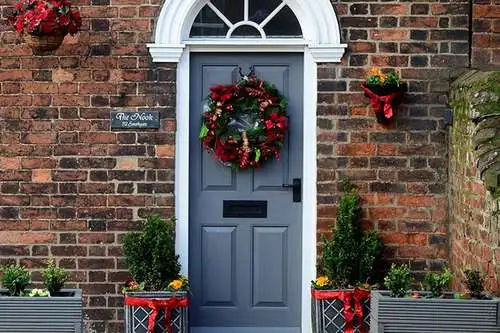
140,119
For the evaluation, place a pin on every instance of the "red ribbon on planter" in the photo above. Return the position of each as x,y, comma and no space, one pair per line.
381,103
156,305
347,297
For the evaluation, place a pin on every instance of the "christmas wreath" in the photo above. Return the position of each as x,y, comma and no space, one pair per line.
245,123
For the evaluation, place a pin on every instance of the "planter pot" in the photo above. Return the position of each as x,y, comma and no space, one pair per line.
332,308
380,105
160,310
401,315
44,43
60,313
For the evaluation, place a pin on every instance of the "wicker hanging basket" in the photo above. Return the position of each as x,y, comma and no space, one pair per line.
44,42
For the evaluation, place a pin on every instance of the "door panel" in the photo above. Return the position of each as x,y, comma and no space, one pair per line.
245,272
218,262
216,177
269,266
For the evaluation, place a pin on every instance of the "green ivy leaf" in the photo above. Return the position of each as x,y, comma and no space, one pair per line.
203,131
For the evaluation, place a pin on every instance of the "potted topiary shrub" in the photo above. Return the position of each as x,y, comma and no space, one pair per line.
341,299
156,299
434,309
51,309
385,92
45,23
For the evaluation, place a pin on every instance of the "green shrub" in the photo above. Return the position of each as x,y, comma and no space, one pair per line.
370,250
398,280
350,256
436,283
474,282
54,277
15,278
151,254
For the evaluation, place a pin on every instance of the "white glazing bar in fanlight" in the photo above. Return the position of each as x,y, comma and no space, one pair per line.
220,15
246,10
250,23
272,15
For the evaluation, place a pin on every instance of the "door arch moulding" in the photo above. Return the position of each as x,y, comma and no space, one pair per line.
319,23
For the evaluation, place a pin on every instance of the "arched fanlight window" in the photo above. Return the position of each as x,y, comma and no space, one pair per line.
246,19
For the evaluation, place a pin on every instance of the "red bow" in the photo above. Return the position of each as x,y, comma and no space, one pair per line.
156,305
381,103
358,295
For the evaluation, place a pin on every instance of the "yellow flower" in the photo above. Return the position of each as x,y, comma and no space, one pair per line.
375,71
176,284
322,281
382,78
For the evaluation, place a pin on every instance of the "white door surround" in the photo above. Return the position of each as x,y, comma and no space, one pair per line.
321,42
320,29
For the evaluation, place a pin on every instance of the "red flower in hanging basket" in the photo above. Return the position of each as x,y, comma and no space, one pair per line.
47,20
385,92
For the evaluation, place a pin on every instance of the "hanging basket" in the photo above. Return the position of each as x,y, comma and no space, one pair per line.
44,42
384,99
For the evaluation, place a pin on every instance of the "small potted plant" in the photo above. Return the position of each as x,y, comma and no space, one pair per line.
156,299
434,309
45,23
385,92
39,310
341,299
474,282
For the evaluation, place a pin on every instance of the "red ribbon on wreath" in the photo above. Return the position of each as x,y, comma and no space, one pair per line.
156,305
347,297
382,103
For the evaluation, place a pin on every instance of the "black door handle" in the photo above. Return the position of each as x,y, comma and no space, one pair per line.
296,187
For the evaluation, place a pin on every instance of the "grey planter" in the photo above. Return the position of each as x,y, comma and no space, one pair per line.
62,313
408,315
328,314
137,317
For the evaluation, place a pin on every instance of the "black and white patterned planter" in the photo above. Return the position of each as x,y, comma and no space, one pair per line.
329,311
137,317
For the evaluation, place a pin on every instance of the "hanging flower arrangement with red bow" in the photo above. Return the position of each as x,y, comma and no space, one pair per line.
385,92
245,124
44,23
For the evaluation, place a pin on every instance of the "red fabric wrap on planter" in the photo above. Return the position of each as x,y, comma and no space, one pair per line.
347,296
381,103
156,305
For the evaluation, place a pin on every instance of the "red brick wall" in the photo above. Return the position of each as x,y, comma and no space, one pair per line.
70,187
400,169
486,34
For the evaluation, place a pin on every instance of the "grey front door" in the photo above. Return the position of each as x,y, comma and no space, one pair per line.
245,272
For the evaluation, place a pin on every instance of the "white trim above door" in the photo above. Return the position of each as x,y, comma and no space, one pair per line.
320,43
320,29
